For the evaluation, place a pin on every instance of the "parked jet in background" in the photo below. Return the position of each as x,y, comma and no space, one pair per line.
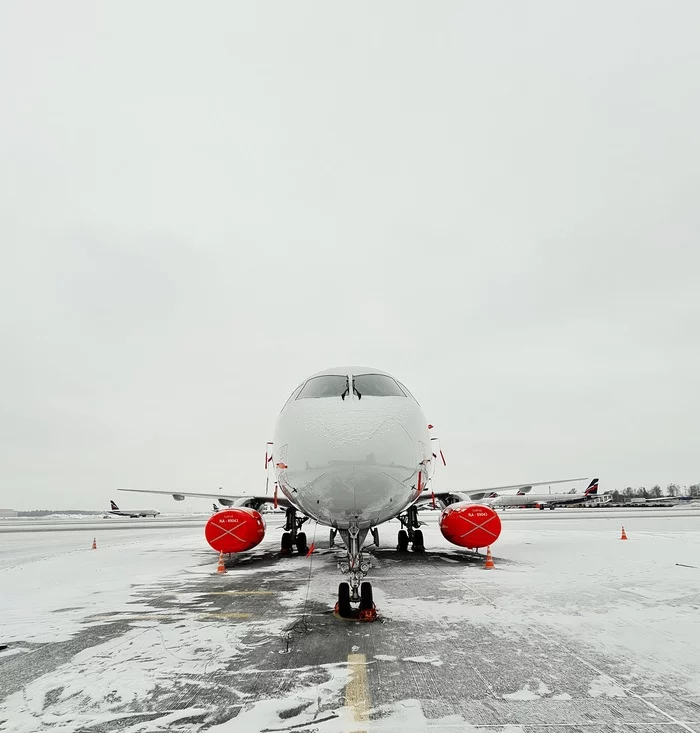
132,512
542,501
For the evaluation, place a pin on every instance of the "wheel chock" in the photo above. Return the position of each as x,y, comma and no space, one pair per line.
366,615
369,614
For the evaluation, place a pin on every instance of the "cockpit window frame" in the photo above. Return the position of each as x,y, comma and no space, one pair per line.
300,393
294,394
360,394
407,391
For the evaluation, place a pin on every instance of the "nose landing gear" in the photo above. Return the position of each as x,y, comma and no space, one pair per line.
355,566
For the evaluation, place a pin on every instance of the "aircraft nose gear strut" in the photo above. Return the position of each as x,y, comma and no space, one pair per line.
292,536
355,566
410,531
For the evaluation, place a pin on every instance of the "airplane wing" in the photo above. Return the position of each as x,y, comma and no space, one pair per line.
254,502
448,497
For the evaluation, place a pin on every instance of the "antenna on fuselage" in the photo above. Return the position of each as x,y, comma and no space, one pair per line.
268,461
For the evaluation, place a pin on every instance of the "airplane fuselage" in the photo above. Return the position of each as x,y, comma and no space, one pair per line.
135,513
535,499
351,457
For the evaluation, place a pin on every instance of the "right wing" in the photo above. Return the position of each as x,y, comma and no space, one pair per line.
478,494
254,502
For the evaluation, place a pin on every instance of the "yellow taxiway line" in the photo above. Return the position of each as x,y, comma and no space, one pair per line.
170,617
240,593
357,691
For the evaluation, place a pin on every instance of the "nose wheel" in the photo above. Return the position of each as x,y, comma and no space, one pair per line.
367,611
343,607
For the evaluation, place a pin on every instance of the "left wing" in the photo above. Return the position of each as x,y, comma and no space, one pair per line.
254,502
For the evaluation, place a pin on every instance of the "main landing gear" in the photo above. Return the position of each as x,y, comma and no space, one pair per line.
355,566
292,536
411,532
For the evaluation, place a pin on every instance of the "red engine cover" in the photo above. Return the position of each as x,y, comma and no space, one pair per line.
470,525
235,530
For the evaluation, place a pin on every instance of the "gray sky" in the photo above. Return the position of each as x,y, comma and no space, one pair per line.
201,204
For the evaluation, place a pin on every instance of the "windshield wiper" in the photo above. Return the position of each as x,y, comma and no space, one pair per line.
346,391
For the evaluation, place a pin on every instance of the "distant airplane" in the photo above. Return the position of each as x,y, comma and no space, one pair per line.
542,501
131,512
352,450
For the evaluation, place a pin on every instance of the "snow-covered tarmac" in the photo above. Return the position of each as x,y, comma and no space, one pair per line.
575,630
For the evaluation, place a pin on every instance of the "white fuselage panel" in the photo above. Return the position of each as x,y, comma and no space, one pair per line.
352,461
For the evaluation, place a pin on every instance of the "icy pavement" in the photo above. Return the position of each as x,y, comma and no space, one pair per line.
575,630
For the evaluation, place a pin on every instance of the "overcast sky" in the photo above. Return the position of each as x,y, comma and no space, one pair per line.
203,203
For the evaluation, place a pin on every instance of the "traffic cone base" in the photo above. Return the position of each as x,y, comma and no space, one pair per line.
220,568
488,565
623,536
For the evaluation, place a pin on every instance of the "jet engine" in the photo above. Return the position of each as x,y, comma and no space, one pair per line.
470,525
235,530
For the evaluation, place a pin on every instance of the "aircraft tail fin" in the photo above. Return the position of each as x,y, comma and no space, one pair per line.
592,489
114,506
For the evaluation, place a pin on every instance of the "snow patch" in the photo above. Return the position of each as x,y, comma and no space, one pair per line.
604,686
317,703
121,672
527,694
424,660
523,694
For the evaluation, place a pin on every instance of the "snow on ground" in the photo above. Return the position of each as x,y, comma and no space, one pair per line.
638,598
57,580
572,626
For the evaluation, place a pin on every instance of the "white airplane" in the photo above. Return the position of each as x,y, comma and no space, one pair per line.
131,512
542,501
352,450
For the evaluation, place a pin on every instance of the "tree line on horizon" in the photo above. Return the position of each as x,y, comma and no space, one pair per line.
655,492
46,512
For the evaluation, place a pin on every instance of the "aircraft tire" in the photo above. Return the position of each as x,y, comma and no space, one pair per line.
286,543
302,549
418,542
344,608
366,600
403,541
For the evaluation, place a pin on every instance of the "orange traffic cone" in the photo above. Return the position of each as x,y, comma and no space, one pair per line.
94,543
220,567
623,536
488,565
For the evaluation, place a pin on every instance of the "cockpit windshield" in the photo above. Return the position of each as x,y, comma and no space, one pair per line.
326,385
376,385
